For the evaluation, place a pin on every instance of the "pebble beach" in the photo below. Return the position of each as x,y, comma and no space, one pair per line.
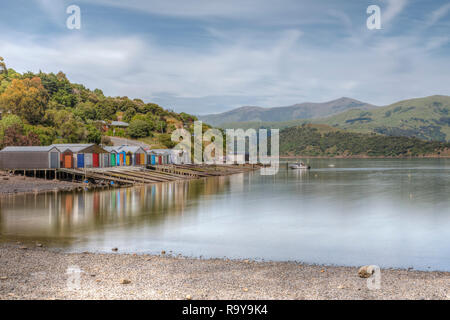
33,271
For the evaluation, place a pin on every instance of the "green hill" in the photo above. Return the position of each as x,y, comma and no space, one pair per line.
320,140
306,110
425,118
45,108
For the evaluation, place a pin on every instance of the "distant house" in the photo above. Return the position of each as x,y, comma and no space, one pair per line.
30,158
116,125
119,124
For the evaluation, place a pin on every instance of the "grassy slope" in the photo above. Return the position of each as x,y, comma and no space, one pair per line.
425,118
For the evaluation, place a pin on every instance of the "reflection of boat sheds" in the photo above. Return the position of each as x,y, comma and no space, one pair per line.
30,158
83,156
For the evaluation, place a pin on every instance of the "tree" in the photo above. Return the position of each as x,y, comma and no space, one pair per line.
8,121
138,129
93,135
14,137
3,69
128,115
26,98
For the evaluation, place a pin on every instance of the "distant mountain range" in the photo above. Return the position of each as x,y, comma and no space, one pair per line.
425,118
307,110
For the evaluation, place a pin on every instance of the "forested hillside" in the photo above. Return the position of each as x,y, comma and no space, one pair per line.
313,140
45,108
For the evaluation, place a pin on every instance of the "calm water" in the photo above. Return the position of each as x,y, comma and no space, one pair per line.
393,213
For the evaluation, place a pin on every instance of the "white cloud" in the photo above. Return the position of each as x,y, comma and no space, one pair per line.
54,9
438,14
394,8
274,73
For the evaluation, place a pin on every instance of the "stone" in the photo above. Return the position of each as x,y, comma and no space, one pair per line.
23,248
188,297
4,278
39,245
163,252
245,290
125,281
365,271
115,249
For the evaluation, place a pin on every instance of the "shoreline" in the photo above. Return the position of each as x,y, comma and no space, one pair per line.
11,185
41,273
365,157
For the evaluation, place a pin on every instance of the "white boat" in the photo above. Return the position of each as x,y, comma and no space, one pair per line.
299,165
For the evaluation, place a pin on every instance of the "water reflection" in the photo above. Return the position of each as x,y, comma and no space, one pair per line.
70,213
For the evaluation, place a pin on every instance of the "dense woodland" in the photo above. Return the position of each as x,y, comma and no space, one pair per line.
45,108
307,140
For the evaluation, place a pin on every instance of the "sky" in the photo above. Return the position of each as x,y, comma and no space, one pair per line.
210,56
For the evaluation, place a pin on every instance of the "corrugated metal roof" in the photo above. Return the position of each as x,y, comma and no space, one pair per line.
160,151
28,149
73,147
111,148
119,124
132,149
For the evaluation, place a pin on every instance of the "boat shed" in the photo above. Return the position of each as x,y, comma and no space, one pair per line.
16,158
162,156
134,155
83,155
113,156
168,156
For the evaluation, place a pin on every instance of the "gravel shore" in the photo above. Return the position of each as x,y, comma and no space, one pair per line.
11,184
29,271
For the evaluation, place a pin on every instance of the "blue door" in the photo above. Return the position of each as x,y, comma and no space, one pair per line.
80,160
153,159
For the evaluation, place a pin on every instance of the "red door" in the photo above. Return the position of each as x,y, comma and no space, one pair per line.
137,158
95,161
160,160
67,161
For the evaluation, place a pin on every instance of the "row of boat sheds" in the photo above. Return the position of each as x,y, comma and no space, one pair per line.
70,156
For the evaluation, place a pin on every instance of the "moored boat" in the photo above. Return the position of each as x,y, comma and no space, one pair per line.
299,165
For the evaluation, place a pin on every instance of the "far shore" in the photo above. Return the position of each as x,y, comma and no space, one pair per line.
366,157
31,271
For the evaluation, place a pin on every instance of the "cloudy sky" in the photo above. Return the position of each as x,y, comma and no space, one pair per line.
209,56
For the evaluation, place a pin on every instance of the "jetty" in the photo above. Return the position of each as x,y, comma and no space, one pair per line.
134,175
